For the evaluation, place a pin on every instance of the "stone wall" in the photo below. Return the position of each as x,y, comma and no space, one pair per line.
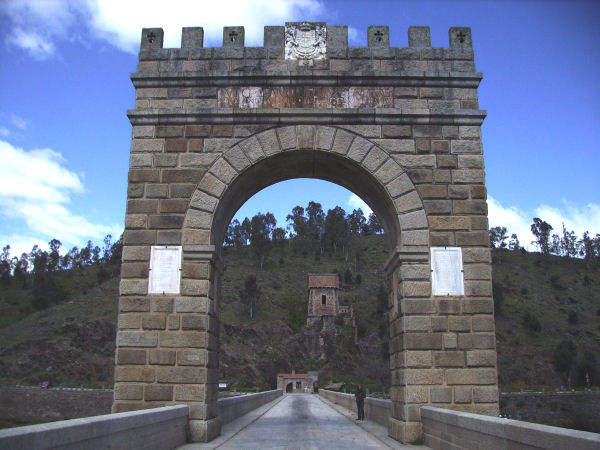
444,428
155,429
233,407
398,126
35,404
376,410
565,409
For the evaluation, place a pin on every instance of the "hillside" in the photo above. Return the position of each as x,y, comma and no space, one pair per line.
72,342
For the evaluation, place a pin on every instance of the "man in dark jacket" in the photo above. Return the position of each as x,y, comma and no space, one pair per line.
360,402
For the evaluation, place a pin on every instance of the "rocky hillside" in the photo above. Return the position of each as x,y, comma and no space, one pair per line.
542,301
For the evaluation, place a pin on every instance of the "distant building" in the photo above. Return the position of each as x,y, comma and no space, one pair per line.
323,301
295,383
322,297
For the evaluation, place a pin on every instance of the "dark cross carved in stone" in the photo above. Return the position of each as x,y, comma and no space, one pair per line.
233,36
378,35
150,36
461,37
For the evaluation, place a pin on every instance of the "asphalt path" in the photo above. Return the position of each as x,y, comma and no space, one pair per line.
302,421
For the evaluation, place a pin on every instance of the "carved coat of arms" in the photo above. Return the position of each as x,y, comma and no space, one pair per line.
305,40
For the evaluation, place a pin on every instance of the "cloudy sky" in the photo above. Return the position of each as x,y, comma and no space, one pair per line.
65,89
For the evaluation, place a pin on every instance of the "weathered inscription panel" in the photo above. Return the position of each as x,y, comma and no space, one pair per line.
306,97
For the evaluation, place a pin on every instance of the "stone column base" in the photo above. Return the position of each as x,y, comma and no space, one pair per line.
204,430
405,432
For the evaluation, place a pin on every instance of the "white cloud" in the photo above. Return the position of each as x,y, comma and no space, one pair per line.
36,189
20,244
355,202
123,21
355,37
18,122
38,25
36,45
578,219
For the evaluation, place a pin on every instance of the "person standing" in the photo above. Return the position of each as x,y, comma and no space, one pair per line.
360,401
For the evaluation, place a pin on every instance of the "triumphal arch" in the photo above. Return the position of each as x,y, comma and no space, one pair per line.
399,126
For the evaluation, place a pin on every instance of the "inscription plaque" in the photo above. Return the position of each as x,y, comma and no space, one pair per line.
306,97
447,271
165,270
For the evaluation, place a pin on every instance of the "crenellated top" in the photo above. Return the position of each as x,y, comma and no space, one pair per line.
308,41
308,65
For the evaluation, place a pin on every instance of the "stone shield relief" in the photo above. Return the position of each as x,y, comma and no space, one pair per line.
305,40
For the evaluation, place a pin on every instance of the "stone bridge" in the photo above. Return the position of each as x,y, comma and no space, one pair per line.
272,420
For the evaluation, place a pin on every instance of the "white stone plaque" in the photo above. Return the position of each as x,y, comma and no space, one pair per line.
165,270
447,271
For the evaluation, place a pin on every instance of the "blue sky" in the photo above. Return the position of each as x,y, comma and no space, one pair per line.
65,89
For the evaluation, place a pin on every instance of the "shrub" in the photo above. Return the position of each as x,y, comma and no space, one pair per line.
531,322
564,355
587,280
555,281
573,318
358,278
102,275
40,302
498,293
524,291
348,276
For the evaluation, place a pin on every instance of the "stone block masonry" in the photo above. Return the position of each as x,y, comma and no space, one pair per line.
399,126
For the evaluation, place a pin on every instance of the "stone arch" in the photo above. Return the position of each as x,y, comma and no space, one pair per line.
305,151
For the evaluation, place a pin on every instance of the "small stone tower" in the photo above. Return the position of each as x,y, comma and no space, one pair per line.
322,297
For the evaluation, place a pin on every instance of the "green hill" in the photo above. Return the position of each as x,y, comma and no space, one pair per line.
546,300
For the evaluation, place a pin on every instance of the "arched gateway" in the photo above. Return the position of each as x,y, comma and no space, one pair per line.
399,126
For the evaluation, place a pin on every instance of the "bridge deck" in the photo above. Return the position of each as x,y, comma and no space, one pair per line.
301,421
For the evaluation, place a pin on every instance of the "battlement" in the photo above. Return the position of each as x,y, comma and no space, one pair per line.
316,45
307,65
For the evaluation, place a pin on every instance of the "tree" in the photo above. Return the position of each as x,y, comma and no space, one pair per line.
261,228
116,251
569,243
497,237
21,269
297,223
556,245
374,225
315,220
250,294
245,229
541,230
586,248
513,244
54,256
357,222
564,356
5,266
336,228
278,235
106,251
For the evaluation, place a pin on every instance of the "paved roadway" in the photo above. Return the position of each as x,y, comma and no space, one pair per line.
301,421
